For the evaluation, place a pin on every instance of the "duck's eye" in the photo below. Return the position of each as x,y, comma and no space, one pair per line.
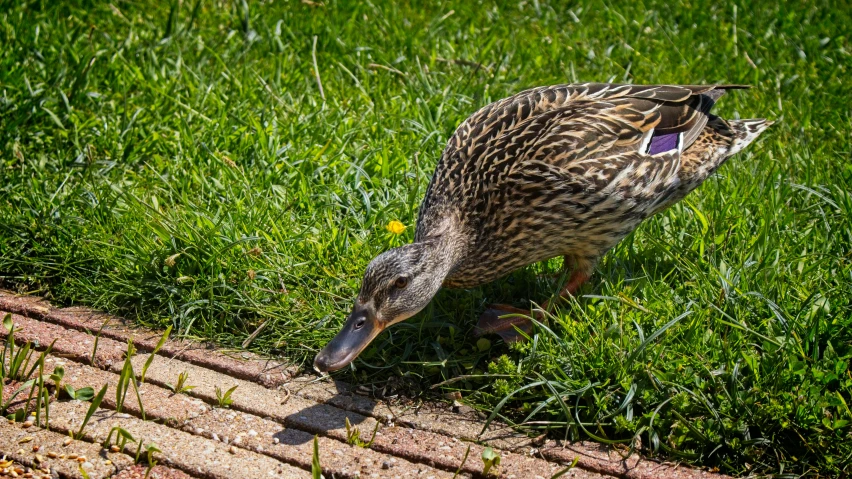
400,282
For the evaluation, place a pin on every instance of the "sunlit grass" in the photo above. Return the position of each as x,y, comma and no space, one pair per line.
176,162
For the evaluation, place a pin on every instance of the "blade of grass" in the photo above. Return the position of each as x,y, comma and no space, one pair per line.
96,403
159,346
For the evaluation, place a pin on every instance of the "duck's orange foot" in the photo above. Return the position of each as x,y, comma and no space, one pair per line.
501,319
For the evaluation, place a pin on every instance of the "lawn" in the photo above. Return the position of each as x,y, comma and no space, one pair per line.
230,168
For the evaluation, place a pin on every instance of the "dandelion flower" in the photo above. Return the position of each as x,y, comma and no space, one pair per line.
395,227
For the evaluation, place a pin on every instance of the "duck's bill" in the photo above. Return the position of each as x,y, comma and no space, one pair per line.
357,333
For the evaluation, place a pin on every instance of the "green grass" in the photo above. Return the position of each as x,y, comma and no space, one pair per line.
177,163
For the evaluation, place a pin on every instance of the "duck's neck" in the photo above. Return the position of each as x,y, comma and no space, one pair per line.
444,254
445,250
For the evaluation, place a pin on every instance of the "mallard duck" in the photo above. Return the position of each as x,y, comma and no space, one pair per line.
565,170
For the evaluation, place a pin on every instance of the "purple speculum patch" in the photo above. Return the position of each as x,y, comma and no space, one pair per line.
663,143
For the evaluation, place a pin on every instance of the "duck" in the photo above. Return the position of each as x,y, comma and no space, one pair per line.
563,170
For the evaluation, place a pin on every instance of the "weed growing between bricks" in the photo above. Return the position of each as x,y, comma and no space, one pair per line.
18,369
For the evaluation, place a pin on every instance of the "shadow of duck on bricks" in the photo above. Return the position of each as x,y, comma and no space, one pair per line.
328,418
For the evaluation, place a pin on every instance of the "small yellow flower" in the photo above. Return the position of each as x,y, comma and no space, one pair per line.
395,227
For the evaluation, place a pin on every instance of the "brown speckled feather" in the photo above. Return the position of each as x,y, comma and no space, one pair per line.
567,170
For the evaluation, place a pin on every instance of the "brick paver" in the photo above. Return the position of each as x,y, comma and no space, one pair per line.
269,428
74,345
463,423
43,449
160,404
9,390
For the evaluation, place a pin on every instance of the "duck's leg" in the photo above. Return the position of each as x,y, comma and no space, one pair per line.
575,281
502,319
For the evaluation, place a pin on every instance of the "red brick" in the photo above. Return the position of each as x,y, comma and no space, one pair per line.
69,343
24,305
606,460
9,389
160,404
436,416
244,365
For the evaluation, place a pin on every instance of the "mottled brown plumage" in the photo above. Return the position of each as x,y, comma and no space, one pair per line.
557,171
566,170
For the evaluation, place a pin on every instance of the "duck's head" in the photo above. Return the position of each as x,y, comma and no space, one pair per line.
397,285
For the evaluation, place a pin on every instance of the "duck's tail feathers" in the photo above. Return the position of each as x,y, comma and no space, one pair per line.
746,131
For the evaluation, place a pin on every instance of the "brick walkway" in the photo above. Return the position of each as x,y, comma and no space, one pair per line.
269,428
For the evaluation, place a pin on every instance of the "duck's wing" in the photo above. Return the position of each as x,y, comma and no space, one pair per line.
600,200
676,107
569,128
